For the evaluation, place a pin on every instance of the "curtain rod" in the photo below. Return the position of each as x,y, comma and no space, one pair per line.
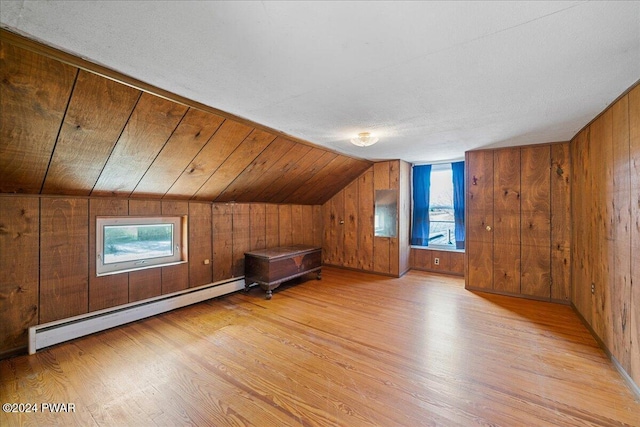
437,163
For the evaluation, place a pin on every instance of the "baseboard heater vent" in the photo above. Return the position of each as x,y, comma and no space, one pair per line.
52,333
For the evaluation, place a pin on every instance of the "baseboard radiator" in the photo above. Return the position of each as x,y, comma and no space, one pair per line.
52,333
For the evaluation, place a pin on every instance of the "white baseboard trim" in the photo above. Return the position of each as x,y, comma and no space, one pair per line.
52,333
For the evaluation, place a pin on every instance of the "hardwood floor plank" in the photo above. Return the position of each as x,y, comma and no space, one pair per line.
353,349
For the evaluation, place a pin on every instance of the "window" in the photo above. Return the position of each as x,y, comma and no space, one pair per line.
438,206
135,243
441,218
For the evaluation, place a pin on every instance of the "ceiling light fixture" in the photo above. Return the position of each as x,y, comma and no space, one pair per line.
364,139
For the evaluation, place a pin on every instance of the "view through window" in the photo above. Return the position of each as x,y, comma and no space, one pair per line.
442,222
137,242
131,243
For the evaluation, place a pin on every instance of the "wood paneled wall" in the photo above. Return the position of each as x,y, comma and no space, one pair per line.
349,239
450,262
518,221
606,229
47,245
69,127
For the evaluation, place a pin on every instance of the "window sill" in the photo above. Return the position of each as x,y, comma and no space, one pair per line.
437,248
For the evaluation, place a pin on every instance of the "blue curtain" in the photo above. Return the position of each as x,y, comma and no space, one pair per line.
421,185
458,202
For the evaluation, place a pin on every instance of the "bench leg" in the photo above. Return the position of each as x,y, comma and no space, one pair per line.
319,277
269,294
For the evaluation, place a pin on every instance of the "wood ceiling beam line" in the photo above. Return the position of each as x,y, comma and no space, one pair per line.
101,70
160,151
55,144
93,187
194,158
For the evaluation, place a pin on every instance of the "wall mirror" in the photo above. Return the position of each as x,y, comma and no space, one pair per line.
386,213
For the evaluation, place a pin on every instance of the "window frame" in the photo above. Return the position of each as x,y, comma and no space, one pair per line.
433,246
179,243
451,246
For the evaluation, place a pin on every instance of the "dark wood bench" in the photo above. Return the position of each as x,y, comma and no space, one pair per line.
272,266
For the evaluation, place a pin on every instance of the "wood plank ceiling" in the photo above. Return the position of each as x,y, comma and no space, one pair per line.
65,130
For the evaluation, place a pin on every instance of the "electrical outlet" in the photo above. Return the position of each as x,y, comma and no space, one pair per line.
436,261
593,288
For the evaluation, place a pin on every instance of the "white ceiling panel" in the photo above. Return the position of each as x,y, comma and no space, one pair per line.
431,79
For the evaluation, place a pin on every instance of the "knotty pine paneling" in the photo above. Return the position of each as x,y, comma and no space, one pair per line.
147,283
381,254
200,240
449,262
350,226
64,258
241,236
272,237
561,223
296,177
308,226
317,225
151,124
634,150
322,186
225,140
258,213
479,219
222,217
133,140
506,268
244,183
621,190
506,180
457,263
34,94
602,246
535,196
476,226
112,290
97,113
605,200
334,230
297,225
314,189
334,176
285,235
175,277
518,215
365,220
233,165
19,286
479,264
191,135
385,251
535,267
507,220
381,176
263,188
479,185
581,265
535,205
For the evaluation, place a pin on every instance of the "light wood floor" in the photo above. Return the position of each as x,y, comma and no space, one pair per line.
351,350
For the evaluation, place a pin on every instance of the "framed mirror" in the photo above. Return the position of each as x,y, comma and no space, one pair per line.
386,213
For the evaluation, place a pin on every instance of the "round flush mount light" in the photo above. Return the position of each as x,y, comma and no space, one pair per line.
364,139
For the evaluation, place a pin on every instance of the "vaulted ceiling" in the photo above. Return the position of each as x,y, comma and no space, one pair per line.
67,130
433,79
